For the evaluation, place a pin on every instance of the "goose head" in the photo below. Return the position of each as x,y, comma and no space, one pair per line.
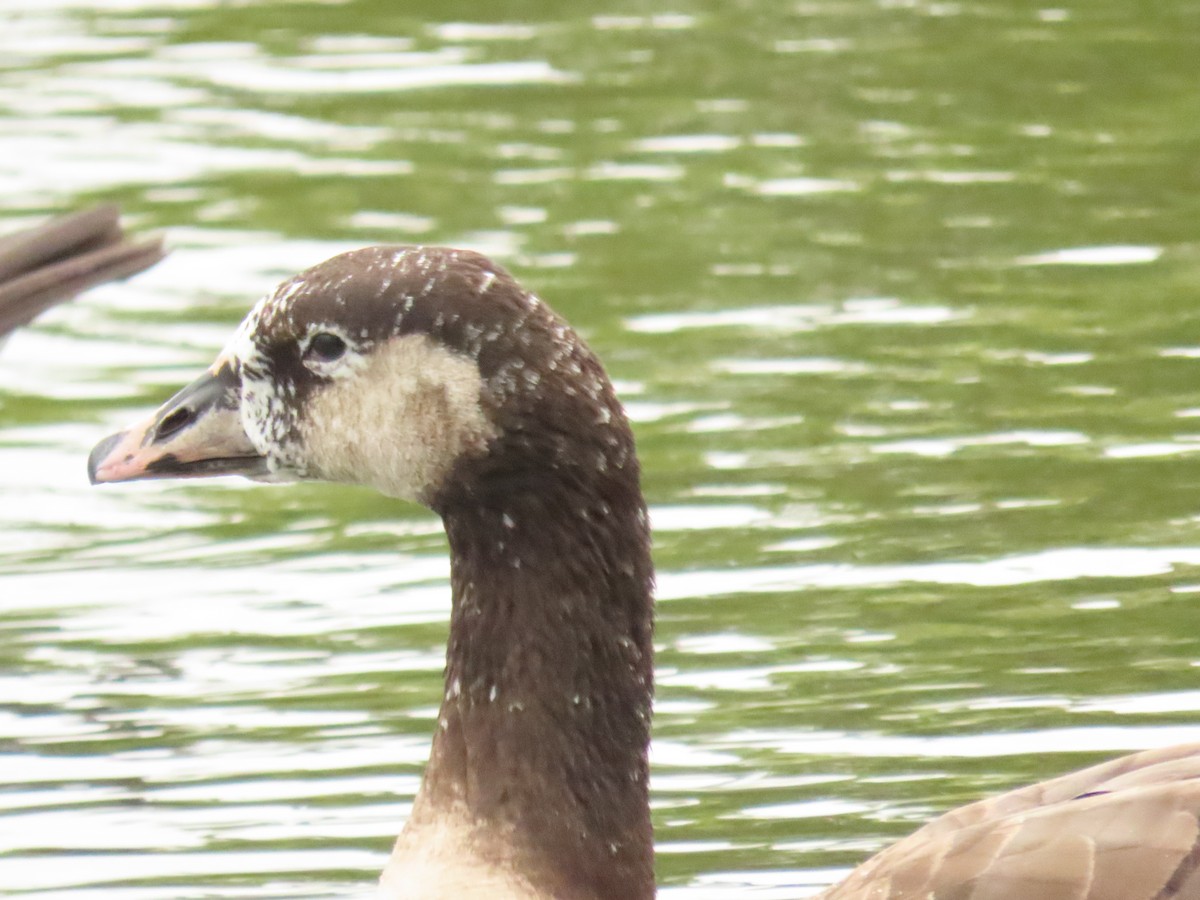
424,373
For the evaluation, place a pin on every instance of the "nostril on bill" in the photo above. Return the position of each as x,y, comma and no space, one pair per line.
173,422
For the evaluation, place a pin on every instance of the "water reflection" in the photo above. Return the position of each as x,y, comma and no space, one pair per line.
901,297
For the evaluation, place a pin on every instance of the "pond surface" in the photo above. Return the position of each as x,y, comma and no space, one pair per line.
900,294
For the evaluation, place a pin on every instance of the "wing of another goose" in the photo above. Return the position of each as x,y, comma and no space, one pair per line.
1127,829
45,265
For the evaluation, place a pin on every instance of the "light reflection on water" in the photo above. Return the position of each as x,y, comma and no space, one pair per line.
911,369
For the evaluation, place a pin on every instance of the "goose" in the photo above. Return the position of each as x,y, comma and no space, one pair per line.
432,376
45,265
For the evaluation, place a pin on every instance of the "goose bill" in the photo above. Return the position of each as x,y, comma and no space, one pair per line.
197,433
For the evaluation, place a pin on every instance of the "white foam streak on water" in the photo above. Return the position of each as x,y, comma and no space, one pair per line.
1088,739
95,160
1179,447
1126,704
628,171
799,366
799,317
381,78
483,31
695,517
1063,564
951,176
688,143
748,678
277,126
234,763
130,604
796,187
187,826
52,871
730,642
810,809
950,444
659,22
1114,255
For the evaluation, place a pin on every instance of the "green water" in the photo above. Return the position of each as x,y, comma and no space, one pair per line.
900,295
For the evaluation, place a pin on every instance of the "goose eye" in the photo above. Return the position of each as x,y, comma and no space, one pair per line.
325,347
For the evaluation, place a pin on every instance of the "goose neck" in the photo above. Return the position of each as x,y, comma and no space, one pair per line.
544,727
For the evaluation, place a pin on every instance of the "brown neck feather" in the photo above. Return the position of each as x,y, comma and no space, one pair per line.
545,726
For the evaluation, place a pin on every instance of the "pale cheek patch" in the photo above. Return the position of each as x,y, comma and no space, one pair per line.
400,422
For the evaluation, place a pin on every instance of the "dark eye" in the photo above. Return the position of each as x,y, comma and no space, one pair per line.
325,347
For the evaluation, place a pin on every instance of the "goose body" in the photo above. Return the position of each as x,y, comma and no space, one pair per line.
43,266
430,375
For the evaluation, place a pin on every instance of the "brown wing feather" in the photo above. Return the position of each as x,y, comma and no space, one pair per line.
1127,829
53,262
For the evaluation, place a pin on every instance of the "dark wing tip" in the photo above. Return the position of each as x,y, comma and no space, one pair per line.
52,262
